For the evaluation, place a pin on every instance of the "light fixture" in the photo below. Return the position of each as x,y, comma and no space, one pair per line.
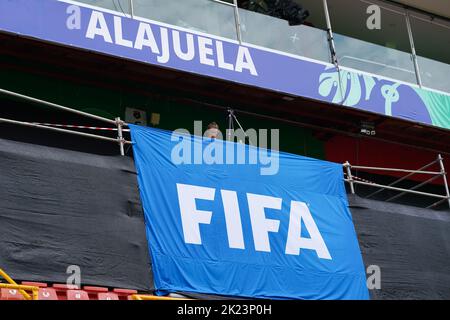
368,128
288,98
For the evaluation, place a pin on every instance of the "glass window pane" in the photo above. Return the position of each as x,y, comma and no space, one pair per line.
116,5
200,15
308,40
385,51
432,42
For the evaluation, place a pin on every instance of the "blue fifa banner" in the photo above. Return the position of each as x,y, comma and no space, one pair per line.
231,219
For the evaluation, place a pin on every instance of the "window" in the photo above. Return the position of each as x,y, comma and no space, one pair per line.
385,51
432,43
263,27
207,16
116,5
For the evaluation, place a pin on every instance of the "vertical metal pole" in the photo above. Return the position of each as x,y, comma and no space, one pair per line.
330,33
350,177
120,135
132,8
441,163
413,48
230,124
332,46
237,21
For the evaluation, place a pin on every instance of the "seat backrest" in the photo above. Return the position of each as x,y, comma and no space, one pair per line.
10,294
61,290
47,294
124,294
35,284
77,295
94,291
108,296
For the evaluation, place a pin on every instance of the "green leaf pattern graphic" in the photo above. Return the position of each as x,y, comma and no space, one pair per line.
438,106
349,91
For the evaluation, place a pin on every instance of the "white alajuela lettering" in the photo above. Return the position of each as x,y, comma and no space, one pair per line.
221,57
300,212
98,27
145,38
191,218
118,34
165,57
205,51
190,50
211,52
244,61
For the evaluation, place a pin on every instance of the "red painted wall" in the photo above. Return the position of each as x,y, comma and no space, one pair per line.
368,152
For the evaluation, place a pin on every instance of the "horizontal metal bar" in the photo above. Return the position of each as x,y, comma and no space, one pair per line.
18,286
300,124
88,135
403,178
375,185
224,3
414,188
56,106
21,289
347,57
399,10
395,170
436,203
10,281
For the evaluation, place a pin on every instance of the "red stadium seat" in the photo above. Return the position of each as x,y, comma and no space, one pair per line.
47,294
61,290
94,291
124,293
77,295
35,284
108,296
65,287
10,294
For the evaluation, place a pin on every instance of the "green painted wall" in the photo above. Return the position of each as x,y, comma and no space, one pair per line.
112,103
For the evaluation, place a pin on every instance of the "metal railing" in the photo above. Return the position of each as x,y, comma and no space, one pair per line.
402,10
352,180
427,74
116,122
22,289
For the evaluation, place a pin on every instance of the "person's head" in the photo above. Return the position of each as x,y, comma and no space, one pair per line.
213,130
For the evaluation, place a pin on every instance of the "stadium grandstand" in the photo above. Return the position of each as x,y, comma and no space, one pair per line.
355,95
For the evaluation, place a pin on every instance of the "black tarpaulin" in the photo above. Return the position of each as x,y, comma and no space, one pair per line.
410,245
60,208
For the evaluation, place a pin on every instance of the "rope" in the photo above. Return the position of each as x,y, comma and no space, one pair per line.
359,179
78,126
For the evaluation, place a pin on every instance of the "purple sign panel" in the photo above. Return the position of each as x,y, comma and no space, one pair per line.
75,24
